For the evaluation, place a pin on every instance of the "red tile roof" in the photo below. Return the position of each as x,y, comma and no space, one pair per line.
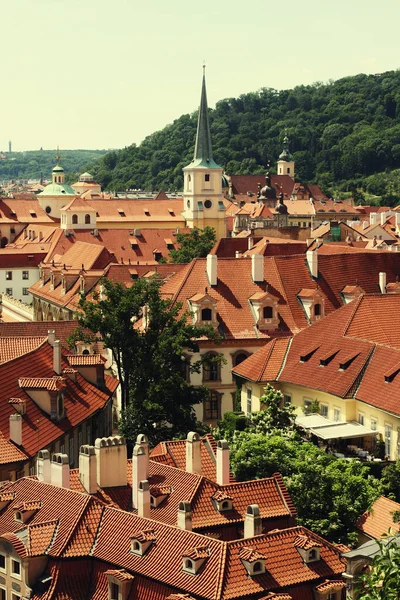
35,329
377,521
9,453
11,348
265,364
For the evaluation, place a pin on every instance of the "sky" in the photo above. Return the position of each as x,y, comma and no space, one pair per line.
105,74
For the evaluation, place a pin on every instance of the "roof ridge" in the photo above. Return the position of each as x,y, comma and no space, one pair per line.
96,537
351,317
271,345
184,280
289,345
222,569
45,340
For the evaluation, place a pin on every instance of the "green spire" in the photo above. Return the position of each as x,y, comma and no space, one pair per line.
203,148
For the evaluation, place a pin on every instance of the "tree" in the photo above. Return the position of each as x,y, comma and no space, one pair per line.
274,415
391,481
148,337
195,244
382,580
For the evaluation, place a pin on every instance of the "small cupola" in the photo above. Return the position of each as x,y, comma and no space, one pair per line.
264,306
222,501
193,559
253,561
313,303
308,548
141,541
204,309
25,510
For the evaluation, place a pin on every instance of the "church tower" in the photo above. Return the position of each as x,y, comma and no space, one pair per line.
285,165
202,190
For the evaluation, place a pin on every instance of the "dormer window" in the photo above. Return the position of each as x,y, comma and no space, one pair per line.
253,561
141,541
317,310
193,559
206,314
312,301
264,306
268,312
24,511
119,584
222,501
308,548
204,309
158,495
74,219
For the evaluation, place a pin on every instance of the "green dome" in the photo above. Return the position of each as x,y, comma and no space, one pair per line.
58,169
58,189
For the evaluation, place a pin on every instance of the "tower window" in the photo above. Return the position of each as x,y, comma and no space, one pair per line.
207,177
208,204
74,219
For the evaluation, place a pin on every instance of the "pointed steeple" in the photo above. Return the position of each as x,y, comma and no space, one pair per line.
203,156
285,154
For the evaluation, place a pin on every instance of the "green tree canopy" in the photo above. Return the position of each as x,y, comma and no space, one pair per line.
382,580
195,244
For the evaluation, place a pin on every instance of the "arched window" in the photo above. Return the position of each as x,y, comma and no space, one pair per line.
257,567
211,367
188,564
136,546
317,310
85,351
225,504
87,219
212,406
268,312
206,314
239,357
74,219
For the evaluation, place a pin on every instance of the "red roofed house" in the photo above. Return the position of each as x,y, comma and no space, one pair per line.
349,362
378,522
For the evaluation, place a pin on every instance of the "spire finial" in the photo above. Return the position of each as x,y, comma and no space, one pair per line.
58,154
204,68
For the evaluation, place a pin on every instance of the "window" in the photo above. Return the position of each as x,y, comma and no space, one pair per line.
208,204
287,400
212,407
25,292
211,368
374,424
249,402
307,405
8,275
207,177
15,597
25,274
257,567
388,440
87,219
323,410
114,591
3,594
15,567
9,291
74,219
312,555
48,209
206,314
188,564
336,414
268,312
317,310
239,358
361,418
2,562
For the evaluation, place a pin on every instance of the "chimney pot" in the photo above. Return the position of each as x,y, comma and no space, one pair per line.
252,521
223,462
184,516
312,261
144,499
111,460
60,470
257,268
51,336
140,469
88,468
43,467
382,282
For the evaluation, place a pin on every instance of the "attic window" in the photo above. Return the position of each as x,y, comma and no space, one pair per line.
32,213
390,375
253,561
171,212
141,541
307,355
146,212
345,364
134,242
169,243
328,358
121,212
193,559
308,548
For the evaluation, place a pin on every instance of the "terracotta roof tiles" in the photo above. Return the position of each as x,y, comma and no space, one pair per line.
9,453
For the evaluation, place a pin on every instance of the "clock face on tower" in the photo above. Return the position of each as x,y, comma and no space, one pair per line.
208,204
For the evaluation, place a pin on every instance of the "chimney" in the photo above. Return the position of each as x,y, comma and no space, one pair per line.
60,470
373,217
16,429
51,336
257,268
365,224
382,282
193,453
383,218
312,261
212,269
250,243
222,462
238,254
57,357
87,468
43,466
252,521
144,442
111,461
144,499
184,516
140,471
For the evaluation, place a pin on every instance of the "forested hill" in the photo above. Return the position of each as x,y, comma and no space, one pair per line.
341,133
33,164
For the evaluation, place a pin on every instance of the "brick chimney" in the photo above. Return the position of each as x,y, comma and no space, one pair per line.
88,468
140,471
193,453
111,461
57,357
16,429
43,467
184,516
222,462
212,269
144,499
60,470
257,268
252,521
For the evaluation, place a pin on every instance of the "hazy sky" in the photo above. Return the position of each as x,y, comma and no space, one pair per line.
106,73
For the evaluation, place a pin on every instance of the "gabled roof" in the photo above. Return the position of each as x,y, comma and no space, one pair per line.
378,522
12,347
9,453
36,329
265,364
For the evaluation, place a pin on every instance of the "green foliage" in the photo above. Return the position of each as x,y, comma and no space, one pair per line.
382,580
391,481
274,415
341,133
148,346
34,164
329,494
313,409
195,244
231,422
